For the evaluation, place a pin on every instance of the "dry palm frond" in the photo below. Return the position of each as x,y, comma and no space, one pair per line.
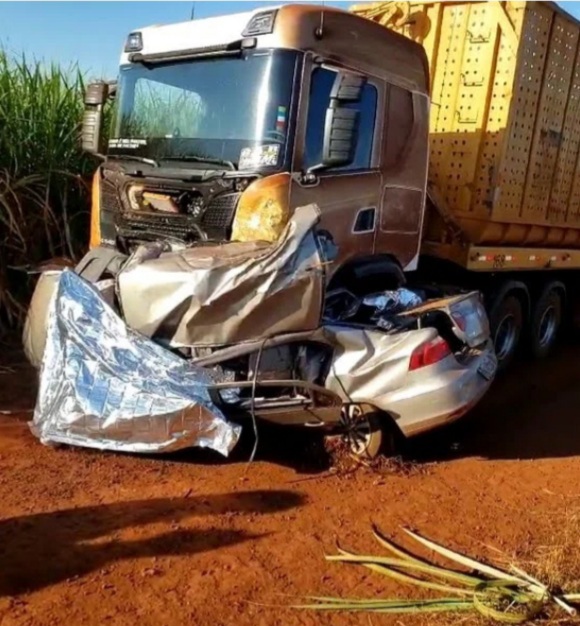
512,597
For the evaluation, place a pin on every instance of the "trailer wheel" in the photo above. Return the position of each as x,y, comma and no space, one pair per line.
506,320
546,321
367,433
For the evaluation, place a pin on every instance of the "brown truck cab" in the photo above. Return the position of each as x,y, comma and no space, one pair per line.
221,127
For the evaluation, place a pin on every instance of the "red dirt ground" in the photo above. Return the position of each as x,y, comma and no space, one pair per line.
99,538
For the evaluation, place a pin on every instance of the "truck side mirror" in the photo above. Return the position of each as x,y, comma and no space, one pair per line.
95,98
341,122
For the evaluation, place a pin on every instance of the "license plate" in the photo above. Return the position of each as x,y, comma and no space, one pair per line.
487,368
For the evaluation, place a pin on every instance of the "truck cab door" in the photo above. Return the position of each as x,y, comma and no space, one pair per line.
348,196
404,170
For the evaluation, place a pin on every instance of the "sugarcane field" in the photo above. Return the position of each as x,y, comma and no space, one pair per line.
289,313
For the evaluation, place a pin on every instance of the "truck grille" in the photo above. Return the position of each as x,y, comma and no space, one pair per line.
215,222
220,213
110,200
150,226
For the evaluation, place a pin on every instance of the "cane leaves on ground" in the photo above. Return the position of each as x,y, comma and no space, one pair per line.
509,596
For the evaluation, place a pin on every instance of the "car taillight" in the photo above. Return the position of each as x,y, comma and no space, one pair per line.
429,353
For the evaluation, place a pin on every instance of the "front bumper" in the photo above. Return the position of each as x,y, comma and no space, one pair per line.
438,394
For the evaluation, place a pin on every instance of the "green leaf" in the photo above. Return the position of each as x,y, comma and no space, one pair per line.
412,580
402,564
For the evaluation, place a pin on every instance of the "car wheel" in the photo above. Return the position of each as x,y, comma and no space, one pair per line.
367,433
546,322
506,321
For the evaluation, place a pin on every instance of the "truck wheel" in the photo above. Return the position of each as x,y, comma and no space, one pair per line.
367,433
506,321
546,322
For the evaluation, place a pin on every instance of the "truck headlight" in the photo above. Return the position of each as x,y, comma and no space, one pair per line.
263,210
95,238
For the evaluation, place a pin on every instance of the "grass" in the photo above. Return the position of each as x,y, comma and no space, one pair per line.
44,176
558,562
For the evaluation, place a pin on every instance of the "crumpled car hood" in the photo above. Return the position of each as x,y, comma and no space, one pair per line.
218,295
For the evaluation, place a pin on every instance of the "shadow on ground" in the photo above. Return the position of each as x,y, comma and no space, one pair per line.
43,549
530,413
301,449
18,379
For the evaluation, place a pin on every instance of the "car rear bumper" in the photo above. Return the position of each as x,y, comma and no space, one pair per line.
438,394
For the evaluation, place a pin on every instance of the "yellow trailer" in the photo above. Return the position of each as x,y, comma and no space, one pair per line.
505,130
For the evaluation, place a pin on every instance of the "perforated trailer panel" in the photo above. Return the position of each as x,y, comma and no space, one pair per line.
505,117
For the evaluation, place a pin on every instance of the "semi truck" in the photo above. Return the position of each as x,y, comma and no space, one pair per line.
440,141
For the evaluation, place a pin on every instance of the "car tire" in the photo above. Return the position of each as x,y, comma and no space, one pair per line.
369,433
506,322
546,322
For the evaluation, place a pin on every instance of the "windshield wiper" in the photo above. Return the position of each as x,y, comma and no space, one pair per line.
134,157
199,159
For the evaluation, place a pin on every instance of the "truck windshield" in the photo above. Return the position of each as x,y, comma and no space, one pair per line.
230,110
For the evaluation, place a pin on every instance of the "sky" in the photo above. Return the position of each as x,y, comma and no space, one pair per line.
92,33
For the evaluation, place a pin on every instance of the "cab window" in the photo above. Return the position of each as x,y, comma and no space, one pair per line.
320,87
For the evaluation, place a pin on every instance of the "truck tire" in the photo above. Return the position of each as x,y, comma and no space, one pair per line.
546,321
506,321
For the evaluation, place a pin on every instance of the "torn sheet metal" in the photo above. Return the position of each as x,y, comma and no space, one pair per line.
217,295
393,301
104,386
388,304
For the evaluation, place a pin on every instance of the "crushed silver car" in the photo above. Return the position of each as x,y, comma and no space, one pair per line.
254,334
430,368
